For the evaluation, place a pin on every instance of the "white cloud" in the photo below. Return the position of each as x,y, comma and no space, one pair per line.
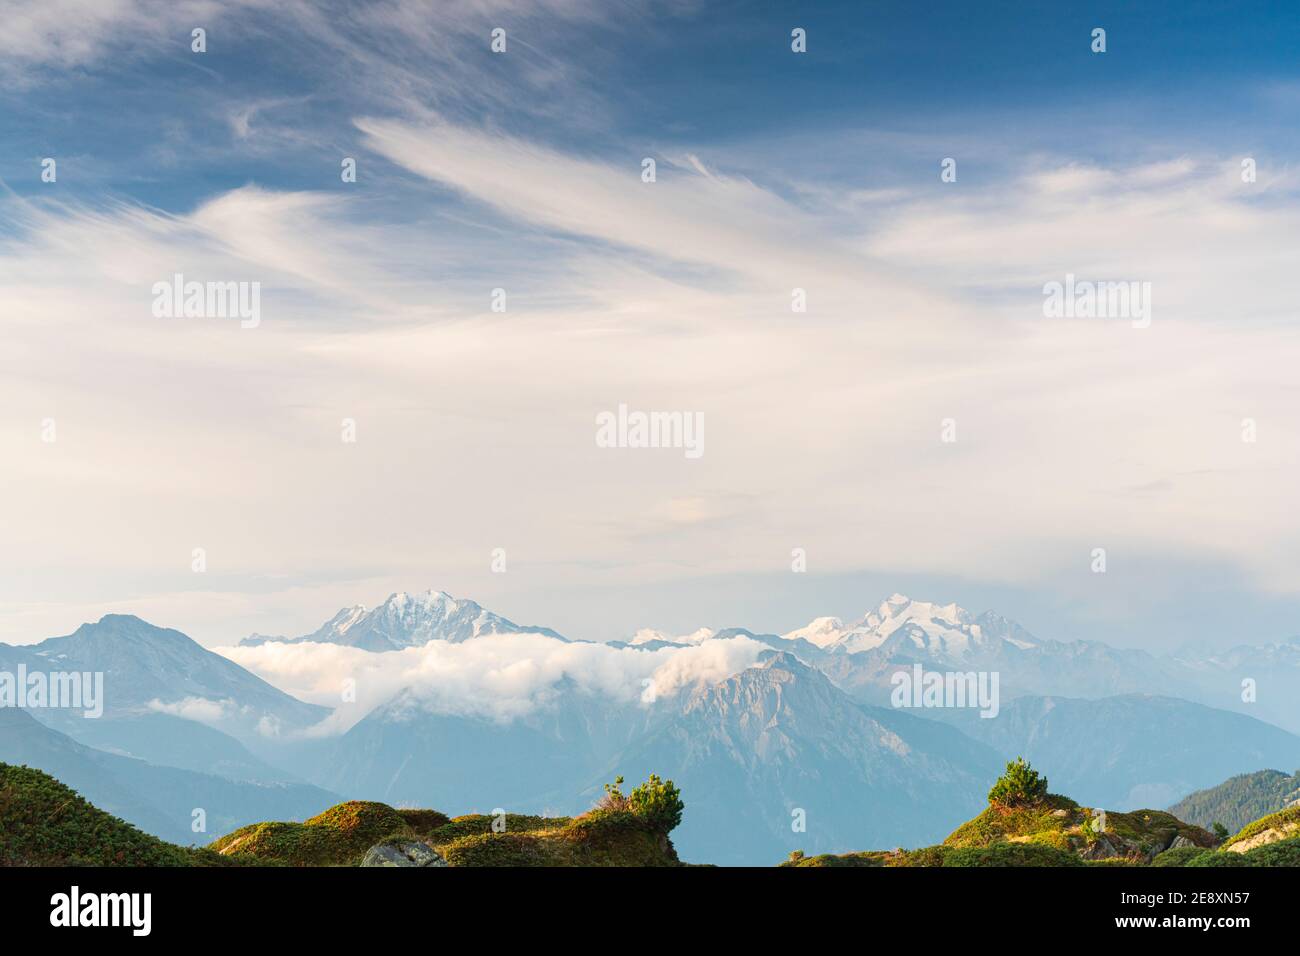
500,677
73,33
199,709
476,430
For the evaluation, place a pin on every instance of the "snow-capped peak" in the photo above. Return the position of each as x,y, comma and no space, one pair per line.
401,600
344,619
411,620
647,635
942,629
899,608
822,631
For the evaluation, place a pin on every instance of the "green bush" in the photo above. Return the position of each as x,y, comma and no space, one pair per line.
659,802
1281,853
925,856
1286,820
870,858
1010,854
1222,858
1182,856
1020,785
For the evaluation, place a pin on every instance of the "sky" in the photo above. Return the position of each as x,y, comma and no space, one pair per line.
129,440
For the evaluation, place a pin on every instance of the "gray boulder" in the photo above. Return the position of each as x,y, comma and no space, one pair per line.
402,853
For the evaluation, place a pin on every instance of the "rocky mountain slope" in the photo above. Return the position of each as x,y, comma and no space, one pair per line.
148,669
407,620
406,751
777,756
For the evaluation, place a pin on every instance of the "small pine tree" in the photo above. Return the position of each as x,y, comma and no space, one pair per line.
1220,831
1021,784
614,798
659,802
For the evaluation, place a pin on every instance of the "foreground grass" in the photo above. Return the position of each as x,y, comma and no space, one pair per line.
44,823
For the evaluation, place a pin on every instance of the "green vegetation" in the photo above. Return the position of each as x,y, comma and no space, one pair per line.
598,838
1011,854
1239,800
44,823
1024,825
623,830
656,801
1218,859
996,854
869,858
1281,853
1047,821
1020,785
1179,856
423,821
629,830
338,837
1061,823
1285,822
476,824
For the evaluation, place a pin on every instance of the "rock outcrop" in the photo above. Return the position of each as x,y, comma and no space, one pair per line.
402,853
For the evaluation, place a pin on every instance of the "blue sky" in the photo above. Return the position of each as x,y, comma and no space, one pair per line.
776,170
153,121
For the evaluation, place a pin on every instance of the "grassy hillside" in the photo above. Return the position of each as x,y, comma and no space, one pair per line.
625,830
1025,825
1273,828
44,823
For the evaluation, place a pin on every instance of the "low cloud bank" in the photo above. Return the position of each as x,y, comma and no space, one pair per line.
499,677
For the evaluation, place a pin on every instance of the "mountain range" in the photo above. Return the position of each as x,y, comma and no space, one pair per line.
863,656
801,750
778,758
406,620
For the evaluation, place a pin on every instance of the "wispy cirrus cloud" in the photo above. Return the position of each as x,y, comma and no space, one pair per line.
522,172
825,435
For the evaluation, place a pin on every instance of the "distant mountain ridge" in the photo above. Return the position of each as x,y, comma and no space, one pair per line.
407,620
862,656
149,669
1240,799
1131,750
